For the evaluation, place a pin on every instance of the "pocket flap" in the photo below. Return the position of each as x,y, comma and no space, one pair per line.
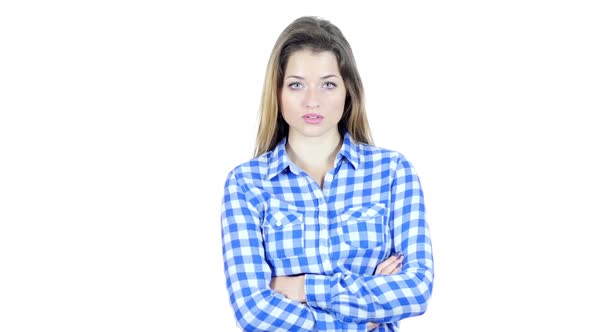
363,212
278,219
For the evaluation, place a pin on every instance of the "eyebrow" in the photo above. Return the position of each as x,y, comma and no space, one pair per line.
302,78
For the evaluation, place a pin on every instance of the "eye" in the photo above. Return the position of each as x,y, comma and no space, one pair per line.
295,85
330,85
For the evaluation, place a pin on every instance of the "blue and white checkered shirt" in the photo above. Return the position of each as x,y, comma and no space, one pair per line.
277,221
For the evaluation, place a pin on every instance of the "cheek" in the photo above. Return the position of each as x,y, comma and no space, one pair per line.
337,102
282,101
288,102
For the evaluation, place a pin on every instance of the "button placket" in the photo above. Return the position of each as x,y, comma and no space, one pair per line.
324,239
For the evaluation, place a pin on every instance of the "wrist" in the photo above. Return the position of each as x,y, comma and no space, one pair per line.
318,290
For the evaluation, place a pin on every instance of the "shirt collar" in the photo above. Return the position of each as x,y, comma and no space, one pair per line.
349,150
279,160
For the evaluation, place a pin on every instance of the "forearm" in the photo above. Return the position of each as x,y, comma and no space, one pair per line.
273,312
265,310
367,294
363,299
326,321
257,307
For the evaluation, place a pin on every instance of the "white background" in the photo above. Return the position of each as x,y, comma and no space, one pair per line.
119,121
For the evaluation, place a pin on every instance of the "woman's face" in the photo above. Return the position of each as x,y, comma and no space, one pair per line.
313,94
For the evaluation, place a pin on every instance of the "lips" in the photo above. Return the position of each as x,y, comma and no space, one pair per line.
312,118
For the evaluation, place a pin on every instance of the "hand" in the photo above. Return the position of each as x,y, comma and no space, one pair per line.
291,287
391,265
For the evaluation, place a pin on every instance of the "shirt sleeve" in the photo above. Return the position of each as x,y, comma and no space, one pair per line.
256,306
326,321
386,298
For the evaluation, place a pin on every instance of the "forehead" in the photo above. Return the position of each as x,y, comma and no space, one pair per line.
312,63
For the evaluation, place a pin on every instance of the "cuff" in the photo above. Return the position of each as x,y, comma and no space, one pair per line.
317,290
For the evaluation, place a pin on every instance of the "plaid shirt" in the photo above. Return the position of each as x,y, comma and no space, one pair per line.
277,221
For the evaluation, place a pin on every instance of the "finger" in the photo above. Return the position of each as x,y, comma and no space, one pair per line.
389,264
371,326
392,269
398,268
385,263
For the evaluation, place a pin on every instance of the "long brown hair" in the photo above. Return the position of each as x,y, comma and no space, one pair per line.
318,35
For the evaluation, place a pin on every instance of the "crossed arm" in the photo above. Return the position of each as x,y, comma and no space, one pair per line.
293,287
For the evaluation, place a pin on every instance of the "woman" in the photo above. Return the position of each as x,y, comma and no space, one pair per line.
315,227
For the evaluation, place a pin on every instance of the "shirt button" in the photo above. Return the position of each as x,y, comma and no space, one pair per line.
278,223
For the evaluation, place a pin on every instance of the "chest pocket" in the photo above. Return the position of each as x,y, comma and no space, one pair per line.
283,233
364,226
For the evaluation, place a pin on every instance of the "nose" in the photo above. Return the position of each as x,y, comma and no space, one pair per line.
311,99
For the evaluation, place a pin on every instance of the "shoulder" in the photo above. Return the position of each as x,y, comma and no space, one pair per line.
379,155
254,168
389,162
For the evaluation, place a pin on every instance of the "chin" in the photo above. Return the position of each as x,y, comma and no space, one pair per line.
314,132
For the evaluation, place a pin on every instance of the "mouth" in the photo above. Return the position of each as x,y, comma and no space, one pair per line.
312,116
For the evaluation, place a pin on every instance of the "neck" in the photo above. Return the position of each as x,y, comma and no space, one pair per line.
314,151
